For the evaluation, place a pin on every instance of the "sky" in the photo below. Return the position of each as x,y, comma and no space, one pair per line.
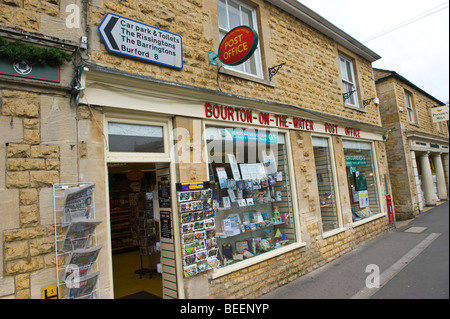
418,51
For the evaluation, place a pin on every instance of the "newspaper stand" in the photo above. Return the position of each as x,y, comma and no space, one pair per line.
67,274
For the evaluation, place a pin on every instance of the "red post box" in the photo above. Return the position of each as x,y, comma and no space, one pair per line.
390,208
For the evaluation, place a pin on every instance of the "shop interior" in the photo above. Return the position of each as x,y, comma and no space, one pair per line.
135,237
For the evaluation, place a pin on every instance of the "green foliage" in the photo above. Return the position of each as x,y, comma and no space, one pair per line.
18,51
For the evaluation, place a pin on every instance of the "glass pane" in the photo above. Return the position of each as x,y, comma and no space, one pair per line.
239,67
350,71
135,138
343,69
410,116
347,89
408,100
249,176
325,182
247,18
222,34
250,65
234,14
361,179
222,13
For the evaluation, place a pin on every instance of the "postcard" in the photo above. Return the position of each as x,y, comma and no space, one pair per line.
222,176
187,228
199,225
190,270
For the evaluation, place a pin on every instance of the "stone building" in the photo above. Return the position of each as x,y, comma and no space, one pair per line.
417,147
260,176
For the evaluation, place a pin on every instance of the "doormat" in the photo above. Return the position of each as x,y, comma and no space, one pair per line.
141,295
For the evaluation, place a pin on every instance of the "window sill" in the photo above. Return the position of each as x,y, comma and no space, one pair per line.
333,232
247,77
355,108
368,219
217,273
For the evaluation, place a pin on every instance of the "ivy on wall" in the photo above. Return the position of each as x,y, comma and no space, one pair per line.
18,51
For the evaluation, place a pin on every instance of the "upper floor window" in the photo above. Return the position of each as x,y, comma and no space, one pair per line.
412,118
348,81
231,14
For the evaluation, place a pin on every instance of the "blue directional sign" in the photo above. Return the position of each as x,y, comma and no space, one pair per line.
135,39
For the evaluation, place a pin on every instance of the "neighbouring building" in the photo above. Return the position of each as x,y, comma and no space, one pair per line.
417,146
209,180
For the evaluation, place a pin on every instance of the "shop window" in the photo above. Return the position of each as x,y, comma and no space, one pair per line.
412,118
232,14
361,175
326,184
135,138
249,175
348,81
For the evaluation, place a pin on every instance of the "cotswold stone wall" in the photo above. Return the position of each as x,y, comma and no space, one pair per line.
29,171
310,79
46,17
38,148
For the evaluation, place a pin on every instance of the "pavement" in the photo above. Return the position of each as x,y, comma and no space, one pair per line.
412,261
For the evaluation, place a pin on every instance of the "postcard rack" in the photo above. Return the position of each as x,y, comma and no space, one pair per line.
77,268
199,244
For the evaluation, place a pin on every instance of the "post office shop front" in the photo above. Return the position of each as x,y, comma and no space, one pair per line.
258,190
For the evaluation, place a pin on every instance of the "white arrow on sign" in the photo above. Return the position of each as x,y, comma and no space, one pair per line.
138,40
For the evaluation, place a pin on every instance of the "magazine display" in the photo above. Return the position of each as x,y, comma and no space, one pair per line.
75,235
78,203
81,261
84,288
79,233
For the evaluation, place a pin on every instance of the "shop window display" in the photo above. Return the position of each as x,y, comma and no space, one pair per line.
359,162
325,183
250,184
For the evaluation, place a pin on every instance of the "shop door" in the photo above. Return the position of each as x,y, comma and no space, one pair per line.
143,259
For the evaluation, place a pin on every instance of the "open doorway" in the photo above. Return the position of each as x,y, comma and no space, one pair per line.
135,230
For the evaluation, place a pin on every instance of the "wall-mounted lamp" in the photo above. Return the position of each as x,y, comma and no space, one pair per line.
375,100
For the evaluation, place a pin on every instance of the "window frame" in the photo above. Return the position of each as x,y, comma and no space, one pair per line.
410,108
217,273
257,54
382,213
349,62
335,185
137,157
440,127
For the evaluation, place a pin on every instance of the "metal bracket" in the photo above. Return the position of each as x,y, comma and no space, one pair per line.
213,58
347,95
367,102
375,100
274,70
